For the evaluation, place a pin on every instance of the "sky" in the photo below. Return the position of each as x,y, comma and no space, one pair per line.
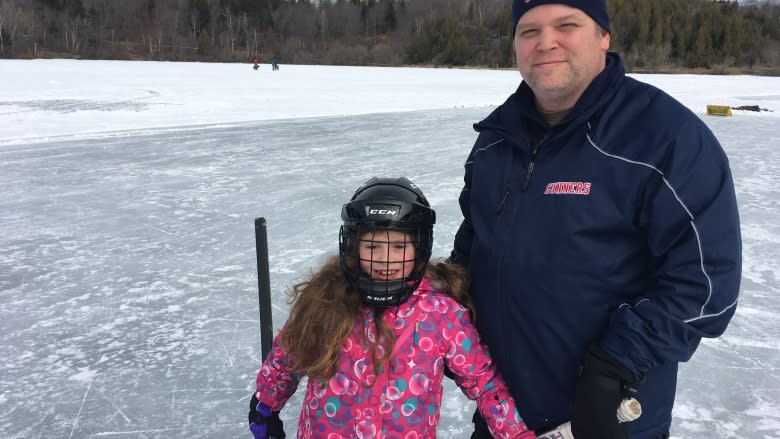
127,263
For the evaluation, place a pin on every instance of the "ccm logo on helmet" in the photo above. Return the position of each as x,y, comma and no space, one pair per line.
382,210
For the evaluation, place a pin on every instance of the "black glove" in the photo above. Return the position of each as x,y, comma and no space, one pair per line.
263,423
601,386
448,373
481,430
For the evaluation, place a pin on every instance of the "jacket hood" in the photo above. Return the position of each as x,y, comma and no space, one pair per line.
508,119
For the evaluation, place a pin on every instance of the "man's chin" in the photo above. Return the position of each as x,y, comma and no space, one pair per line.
552,87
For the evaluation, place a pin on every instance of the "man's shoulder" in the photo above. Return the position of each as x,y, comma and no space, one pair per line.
644,112
654,100
647,125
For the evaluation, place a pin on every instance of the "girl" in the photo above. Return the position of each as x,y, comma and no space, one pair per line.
374,329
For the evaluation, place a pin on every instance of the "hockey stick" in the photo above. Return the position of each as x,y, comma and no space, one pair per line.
263,287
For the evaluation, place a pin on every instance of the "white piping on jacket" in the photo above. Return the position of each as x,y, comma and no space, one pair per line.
693,226
483,149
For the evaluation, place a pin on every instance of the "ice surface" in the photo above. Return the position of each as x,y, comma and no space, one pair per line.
127,265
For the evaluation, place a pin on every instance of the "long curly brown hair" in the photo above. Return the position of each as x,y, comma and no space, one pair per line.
325,309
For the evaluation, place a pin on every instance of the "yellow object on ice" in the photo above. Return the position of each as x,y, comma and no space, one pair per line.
719,110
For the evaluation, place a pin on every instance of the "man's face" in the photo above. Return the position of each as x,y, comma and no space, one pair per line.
560,50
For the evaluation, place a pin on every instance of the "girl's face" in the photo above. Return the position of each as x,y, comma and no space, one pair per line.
386,254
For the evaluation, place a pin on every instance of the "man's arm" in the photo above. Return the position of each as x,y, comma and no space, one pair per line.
692,226
689,215
461,252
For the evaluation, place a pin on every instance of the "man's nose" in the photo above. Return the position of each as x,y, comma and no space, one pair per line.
547,40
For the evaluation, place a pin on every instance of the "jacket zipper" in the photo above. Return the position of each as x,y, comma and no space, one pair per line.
528,174
532,162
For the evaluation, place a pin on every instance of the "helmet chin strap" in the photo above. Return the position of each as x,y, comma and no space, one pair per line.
380,293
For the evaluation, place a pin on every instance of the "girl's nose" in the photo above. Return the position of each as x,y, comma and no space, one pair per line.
381,255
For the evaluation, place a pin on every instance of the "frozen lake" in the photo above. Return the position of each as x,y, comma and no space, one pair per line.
128,277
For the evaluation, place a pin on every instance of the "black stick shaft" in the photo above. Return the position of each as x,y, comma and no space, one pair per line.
264,287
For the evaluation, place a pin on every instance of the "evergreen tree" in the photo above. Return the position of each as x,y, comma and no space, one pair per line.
390,19
420,49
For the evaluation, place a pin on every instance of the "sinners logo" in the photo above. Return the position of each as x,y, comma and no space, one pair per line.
568,188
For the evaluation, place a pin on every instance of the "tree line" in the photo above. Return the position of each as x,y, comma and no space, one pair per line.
652,35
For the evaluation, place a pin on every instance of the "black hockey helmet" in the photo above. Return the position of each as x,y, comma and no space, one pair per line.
386,204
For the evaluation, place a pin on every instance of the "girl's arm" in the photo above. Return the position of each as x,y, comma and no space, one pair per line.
275,383
479,380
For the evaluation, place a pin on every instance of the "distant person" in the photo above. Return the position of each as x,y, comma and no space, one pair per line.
255,65
373,330
600,228
274,64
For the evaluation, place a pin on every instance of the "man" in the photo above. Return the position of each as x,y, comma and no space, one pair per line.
601,230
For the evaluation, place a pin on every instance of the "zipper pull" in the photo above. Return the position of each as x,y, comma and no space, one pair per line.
503,200
528,175
531,163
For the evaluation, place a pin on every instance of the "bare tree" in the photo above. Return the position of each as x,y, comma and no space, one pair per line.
229,25
193,23
243,24
323,24
10,10
74,28
170,15
479,10
214,14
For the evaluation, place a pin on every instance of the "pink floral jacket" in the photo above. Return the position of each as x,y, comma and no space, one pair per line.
431,329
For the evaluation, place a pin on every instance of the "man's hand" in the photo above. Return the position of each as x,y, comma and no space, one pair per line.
601,386
263,423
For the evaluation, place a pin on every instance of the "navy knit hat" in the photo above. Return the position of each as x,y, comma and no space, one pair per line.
597,9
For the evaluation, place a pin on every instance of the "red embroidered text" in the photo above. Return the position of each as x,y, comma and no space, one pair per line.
568,188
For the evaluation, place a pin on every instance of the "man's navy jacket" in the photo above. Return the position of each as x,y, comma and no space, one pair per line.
617,225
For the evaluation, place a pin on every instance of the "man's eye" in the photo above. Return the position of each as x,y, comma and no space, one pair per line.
568,26
527,33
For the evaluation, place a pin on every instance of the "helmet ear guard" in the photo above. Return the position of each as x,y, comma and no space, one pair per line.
386,204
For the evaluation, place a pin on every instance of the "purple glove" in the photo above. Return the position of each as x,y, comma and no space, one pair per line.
263,423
